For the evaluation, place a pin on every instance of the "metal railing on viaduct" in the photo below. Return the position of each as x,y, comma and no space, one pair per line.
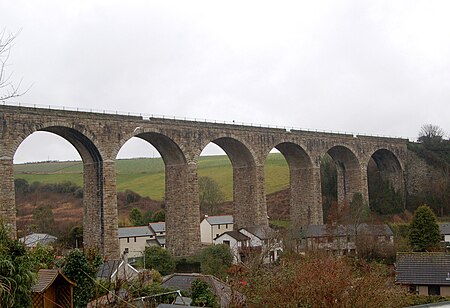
98,137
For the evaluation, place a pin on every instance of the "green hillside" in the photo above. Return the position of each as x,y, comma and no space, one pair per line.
146,175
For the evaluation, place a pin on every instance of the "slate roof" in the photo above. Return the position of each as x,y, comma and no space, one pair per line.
158,226
444,228
108,268
45,279
134,231
219,220
423,268
262,232
34,238
238,236
343,230
179,281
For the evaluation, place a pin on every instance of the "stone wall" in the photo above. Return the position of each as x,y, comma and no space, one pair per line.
99,137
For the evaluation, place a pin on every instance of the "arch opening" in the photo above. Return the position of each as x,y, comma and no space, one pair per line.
66,188
298,182
386,183
248,202
346,173
215,182
180,181
140,178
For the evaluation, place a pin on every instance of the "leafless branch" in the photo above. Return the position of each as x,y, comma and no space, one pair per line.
8,88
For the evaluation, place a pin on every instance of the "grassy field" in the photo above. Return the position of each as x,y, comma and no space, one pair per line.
146,175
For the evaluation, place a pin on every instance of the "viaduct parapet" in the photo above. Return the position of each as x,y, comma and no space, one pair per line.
99,137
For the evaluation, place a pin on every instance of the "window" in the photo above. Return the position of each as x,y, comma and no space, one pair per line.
135,239
218,226
227,243
126,250
434,290
128,239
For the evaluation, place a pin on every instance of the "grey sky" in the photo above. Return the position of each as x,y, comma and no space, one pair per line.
373,67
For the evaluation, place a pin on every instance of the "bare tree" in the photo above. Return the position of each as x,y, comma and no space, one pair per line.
7,88
210,194
430,133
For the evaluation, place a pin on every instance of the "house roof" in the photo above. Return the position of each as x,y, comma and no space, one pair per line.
34,238
423,268
219,220
262,232
107,269
134,231
180,281
45,279
444,228
158,226
343,230
110,267
238,236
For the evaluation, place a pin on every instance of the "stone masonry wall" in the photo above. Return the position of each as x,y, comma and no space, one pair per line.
99,137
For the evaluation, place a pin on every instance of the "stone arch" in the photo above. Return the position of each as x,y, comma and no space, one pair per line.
248,181
99,216
385,171
63,130
349,175
303,205
182,210
170,151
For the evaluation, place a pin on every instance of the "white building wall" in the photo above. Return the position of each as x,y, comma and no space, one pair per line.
205,232
209,232
254,240
135,245
234,246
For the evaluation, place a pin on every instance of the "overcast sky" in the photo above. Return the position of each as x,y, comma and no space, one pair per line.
372,67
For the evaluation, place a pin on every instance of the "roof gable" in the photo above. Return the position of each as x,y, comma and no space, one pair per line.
45,279
261,232
234,234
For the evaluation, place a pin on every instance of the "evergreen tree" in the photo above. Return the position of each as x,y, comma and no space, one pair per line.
424,232
82,268
202,295
136,218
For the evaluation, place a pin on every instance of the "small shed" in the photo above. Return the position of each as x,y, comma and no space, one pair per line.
52,289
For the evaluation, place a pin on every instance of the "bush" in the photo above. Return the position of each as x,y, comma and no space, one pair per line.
16,271
215,260
322,281
159,259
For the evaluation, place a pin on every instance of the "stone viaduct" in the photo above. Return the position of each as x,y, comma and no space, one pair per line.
98,138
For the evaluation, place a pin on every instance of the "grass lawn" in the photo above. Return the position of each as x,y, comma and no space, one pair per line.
146,175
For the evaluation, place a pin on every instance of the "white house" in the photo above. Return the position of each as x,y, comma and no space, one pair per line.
213,226
237,243
263,239
133,240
